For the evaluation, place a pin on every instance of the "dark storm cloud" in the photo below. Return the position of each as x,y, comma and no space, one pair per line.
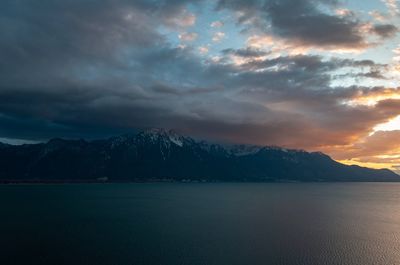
90,68
64,38
304,22
62,62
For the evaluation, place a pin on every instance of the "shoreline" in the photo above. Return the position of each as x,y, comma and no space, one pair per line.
63,182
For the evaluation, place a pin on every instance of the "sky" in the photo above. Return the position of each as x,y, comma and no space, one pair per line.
319,75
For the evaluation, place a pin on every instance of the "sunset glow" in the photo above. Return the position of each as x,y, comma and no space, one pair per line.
372,100
314,75
392,125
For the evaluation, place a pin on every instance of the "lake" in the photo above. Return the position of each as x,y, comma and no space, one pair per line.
203,223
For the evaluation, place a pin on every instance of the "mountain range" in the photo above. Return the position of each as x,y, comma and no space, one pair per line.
163,155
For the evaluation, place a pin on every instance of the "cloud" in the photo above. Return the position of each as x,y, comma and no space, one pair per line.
380,149
373,96
396,54
377,15
203,50
184,19
246,52
305,24
385,30
103,69
217,24
285,100
188,36
392,6
344,12
376,74
218,36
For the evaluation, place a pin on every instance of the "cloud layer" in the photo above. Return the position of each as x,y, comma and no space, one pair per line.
85,69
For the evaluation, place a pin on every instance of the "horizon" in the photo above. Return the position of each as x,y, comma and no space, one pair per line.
209,141
318,75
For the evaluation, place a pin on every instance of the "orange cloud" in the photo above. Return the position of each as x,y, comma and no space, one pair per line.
373,97
379,150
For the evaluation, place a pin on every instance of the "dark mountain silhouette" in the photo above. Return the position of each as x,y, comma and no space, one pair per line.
158,154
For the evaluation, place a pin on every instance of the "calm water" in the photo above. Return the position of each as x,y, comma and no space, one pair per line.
200,224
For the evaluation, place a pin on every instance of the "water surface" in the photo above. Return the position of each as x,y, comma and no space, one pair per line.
176,223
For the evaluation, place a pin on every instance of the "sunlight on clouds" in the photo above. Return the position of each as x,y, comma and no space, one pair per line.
396,54
392,6
275,45
217,24
287,69
380,149
391,125
389,156
188,36
373,98
203,50
343,12
185,19
378,16
279,46
368,164
239,60
218,36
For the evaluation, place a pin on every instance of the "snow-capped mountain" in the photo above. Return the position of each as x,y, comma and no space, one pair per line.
159,154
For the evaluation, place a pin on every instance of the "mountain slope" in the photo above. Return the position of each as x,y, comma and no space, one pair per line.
164,155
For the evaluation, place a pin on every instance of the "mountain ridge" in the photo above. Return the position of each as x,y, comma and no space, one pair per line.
159,154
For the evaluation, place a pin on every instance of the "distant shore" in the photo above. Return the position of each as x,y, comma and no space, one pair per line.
21,182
